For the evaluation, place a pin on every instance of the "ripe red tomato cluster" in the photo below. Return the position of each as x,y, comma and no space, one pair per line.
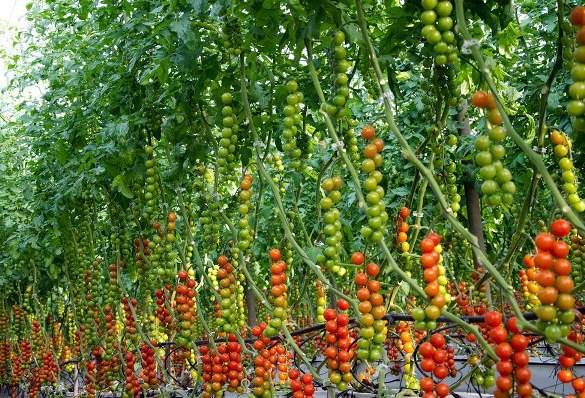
278,292
338,352
90,378
163,305
148,373
567,360
373,328
185,305
263,362
235,373
436,359
556,284
132,381
513,357
301,385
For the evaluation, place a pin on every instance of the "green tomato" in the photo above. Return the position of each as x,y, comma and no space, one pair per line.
498,151
428,17
444,24
489,187
497,133
292,86
429,4
575,108
483,158
444,8
577,90
226,98
578,72
482,143
552,333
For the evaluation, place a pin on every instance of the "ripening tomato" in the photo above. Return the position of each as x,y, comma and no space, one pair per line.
442,390
426,349
342,304
372,269
560,249
368,132
543,260
441,372
522,374
329,314
524,390
505,368
438,340
493,318
579,384
480,99
404,212
504,383
578,16
427,245
361,279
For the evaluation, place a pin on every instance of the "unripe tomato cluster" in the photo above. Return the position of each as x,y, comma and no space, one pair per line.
556,284
229,134
185,308
141,251
498,186
436,280
402,228
301,385
228,292
132,381
330,258
438,30
278,292
446,169
150,187
407,346
373,328
562,150
351,142
337,108
578,257
435,360
338,352
283,358
292,124
576,106
148,363
375,210
261,386
321,295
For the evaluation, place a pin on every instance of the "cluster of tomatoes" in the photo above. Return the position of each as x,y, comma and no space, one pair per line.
338,352
529,283
292,122
435,360
301,385
245,232
278,292
229,134
337,108
567,360
213,371
17,364
555,312
283,358
130,320
141,251
163,306
235,369
373,328
321,300
498,186
402,230
132,381
434,276
90,380
150,188
148,364
38,341
330,258
112,290
578,257
576,106
46,373
185,306
438,30
377,216
562,150
263,363
228,291
510,348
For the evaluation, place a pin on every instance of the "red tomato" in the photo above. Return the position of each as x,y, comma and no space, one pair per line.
441,371
358,258
504,350
560,228
519,342
498,334
505,368
493,318
342,304
427,245
427,364
522,375
426,349
427,384
544,241
438,340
